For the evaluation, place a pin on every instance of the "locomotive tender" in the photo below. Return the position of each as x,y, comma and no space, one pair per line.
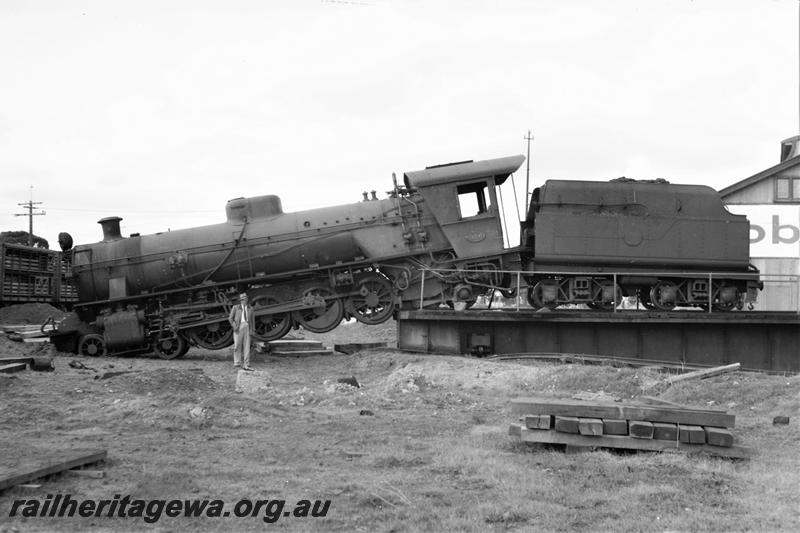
437,239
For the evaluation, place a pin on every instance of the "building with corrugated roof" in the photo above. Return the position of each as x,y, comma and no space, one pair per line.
771,201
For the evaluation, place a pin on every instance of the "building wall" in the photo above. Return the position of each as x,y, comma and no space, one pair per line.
781,277
762,192
774,245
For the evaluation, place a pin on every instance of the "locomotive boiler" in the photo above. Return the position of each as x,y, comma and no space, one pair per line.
309,269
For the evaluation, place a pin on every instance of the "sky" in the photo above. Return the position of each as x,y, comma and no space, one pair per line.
161,111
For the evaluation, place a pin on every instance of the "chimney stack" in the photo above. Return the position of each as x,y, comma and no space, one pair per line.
110,227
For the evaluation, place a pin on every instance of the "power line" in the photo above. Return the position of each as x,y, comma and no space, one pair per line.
150,211
30,214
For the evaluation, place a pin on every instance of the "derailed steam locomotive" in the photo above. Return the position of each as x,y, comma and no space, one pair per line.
437,239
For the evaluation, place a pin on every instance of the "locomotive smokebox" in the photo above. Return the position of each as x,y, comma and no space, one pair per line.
110,227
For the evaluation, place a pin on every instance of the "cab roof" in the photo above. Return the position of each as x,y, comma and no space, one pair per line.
499,169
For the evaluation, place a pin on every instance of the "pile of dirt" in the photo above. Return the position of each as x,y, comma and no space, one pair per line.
36,313
166,380
9,348
412,373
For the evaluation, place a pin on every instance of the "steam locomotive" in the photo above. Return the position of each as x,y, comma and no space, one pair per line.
437,239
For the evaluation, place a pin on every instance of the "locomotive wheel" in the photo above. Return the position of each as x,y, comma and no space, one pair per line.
270,327
214,336
185,348
171,347
536,299
92,345
655,295
610,305
323,318
374,303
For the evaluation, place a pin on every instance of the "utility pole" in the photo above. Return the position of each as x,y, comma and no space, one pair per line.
529,138
30,214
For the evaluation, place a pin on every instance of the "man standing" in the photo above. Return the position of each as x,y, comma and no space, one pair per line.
241,319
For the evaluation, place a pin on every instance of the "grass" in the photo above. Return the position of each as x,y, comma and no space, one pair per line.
434,456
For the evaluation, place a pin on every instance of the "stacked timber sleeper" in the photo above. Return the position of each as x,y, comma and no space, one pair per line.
627,426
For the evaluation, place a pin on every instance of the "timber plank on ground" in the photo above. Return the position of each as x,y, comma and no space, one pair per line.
13,367
640,429
32,334
622,442
590,426
25,328
651,400
354,347
11,360
718,436
615,427
567,424
705,373
621,411
31,470
538,421
691,434
663,431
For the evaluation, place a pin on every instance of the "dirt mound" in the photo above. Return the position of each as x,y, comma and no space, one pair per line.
411,373
167,380
29,313
9,348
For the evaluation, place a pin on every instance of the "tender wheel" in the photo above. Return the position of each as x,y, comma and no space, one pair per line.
730,297
270,327
374,303
171,347
214,336
323,318
644,299
602,302
664,295
536,297
92,346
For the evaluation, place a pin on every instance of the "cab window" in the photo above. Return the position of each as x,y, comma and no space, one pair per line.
473,199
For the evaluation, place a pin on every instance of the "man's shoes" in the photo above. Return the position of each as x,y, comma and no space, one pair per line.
248,369
237,366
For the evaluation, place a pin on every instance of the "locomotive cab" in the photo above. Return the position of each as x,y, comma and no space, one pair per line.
463,199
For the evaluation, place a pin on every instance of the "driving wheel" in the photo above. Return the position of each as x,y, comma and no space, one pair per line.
374,302
322,318
270,327
214,336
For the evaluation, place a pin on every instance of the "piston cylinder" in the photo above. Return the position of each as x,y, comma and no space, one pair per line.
123,328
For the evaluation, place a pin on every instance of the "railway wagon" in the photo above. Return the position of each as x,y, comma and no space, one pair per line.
35,275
